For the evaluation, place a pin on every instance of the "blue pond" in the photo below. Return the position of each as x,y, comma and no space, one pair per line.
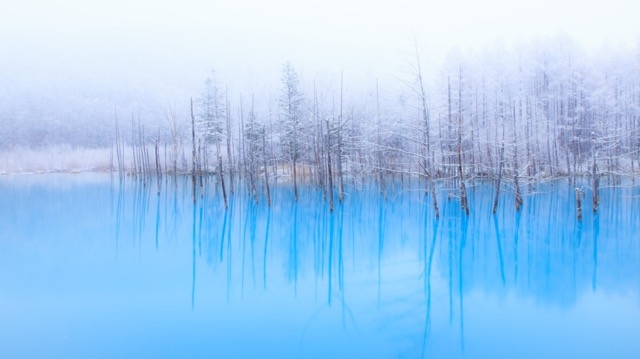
91,267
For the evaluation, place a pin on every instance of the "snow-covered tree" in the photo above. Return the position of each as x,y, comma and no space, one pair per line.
212,113
291,106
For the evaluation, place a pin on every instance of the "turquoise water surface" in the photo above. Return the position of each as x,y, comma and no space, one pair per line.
92,267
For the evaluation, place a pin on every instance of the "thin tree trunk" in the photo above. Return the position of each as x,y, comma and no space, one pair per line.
193,153
427,168
229,138
518,197
578,204
266,169
295,180
339,138
499,181
596,181
329,171
463,189
224,190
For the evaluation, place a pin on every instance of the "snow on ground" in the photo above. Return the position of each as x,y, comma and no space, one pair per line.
55,159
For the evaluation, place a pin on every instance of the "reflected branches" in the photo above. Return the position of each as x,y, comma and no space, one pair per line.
412,272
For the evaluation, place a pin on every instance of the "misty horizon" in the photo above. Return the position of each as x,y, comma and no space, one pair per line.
70,69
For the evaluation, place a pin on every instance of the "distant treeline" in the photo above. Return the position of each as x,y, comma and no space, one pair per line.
516,117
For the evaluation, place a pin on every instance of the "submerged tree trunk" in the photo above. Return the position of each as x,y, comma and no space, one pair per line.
436,211
427,165
339,142
193,153
295,180
329,171
229,139
499,181
158,165
578,204
381,179
266,169
516,183
596,181
254,191
463,189
221,174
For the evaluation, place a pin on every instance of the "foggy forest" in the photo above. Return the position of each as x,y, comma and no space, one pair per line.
515,118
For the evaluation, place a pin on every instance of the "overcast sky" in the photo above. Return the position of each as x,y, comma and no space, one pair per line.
158,44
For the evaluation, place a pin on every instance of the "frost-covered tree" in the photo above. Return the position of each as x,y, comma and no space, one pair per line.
212,113
254,144
291,106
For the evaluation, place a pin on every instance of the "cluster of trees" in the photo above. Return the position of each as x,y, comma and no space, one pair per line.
516,118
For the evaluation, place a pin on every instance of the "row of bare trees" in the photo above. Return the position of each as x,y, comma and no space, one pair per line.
514,118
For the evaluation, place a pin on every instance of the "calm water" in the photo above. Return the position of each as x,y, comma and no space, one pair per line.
90,267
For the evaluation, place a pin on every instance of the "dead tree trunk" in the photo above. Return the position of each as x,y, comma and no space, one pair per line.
596,181
382,184
516,183
221,174
193,153
499,181
158,165
339,142
427,165
329,171
295,178
266,170
463,189
578,204
229,139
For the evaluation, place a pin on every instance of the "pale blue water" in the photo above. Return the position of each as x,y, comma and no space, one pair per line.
93,269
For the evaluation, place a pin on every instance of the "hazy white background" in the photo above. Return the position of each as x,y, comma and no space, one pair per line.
171,44
68,64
